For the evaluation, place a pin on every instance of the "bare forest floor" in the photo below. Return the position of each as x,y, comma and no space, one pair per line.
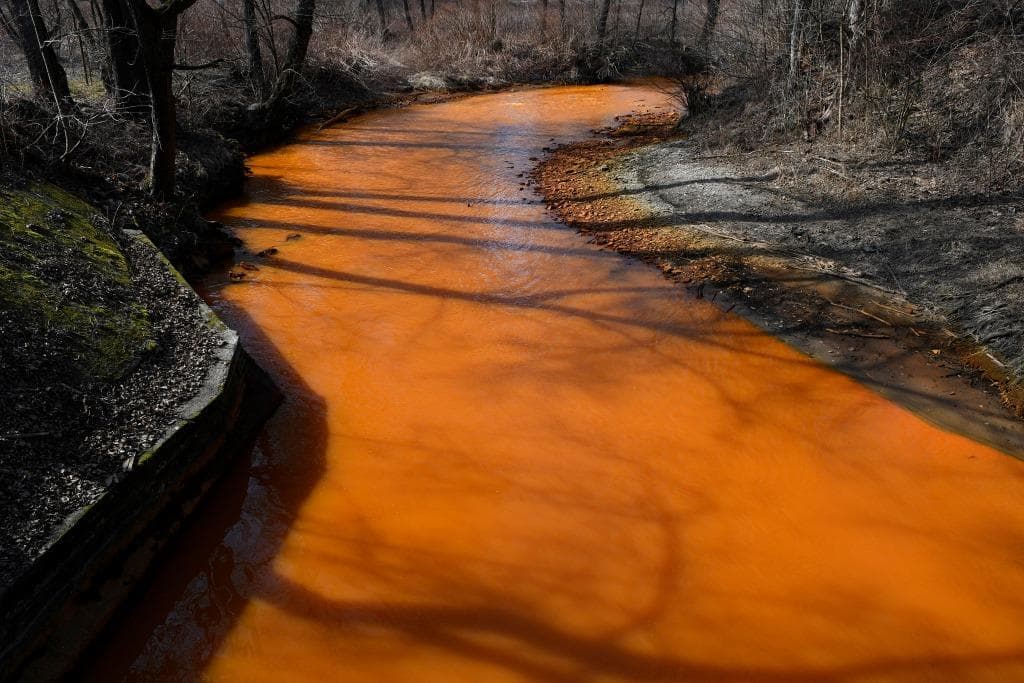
888,270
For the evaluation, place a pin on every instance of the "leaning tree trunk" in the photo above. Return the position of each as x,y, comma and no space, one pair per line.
384,17
127,81
710,21
296,56
252,48
49,79
794,38
602,22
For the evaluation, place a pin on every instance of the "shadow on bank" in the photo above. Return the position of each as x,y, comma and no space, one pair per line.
104,552
176,619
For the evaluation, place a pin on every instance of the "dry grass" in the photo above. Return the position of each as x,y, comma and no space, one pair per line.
943,80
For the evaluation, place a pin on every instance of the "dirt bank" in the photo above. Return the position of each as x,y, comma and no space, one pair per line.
916,293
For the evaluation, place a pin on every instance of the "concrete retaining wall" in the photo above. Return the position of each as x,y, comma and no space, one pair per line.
52,612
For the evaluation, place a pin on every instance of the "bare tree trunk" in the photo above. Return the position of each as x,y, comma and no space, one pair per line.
158,34
602,22
157,31
8,25
252,47
561,16
164,126
84,34
127,82
842,80
382,14
855,18
296,57
408,15
265,18
675,22
794,37
47,73
639,16
710,21
157,38
423,9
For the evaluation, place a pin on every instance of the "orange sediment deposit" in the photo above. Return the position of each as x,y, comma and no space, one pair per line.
510,455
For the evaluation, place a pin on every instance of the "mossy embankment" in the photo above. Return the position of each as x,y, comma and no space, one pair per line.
66,283
124,399
102,343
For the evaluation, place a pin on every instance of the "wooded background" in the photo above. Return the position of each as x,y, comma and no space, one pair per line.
938,75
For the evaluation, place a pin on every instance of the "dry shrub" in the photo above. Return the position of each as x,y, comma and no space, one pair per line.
494,45
1012,117
938,76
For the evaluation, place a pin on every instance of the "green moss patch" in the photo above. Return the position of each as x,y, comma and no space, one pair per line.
67,285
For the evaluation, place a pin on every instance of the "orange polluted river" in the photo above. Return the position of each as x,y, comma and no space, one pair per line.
509,455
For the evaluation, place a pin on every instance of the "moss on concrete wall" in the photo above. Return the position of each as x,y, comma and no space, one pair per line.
66,280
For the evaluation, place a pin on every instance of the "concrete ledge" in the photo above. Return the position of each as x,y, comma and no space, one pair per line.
52,612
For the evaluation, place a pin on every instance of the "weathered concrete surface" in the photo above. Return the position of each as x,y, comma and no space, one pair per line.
53,610
100,346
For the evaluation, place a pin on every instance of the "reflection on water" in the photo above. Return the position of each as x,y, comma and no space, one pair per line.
508,455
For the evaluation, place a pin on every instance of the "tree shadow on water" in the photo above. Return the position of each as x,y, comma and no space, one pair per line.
538,650
179,615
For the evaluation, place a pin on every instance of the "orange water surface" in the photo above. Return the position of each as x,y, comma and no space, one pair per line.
509,455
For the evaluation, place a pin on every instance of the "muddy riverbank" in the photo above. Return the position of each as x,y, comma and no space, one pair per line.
894,294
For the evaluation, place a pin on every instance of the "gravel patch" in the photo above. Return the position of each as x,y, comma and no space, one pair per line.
899,227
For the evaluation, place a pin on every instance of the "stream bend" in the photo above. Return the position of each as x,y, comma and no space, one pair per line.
508,455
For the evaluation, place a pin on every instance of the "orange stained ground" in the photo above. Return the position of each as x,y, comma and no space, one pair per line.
508,455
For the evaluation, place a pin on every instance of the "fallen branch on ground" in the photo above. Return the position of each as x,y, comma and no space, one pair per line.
850,333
